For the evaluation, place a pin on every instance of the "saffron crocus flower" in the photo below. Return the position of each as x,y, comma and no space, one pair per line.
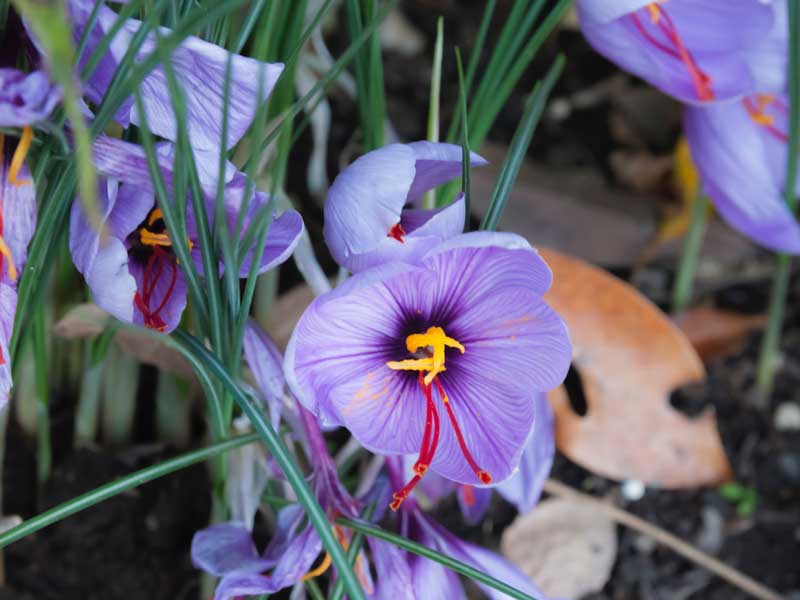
740,150
199,68
441,358
694,50
366,219
17,224
523,488
133,274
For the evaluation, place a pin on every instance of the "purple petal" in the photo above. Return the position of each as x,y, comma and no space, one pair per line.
227,548
26,98
161,288
366,201
524,487
8,309
608,10
473,502
103,263
715,33
298,558
199,68
394,578
240,585
479,558
741,165
18,213
266,363
247,479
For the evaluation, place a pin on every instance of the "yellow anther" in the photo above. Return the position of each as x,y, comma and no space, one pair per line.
324,565
5,251
19,157
148,238
655,12
436,341
155,215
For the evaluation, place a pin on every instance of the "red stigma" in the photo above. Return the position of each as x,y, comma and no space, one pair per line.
396,233
152,274
756,107
675,48
468,493
430,441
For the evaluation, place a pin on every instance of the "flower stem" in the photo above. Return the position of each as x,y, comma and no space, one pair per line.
768,359
687,268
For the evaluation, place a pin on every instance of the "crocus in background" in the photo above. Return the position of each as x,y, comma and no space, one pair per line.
367,220
133,273
694,50
405,575
740,149
523,488
199,68
17,224
442,358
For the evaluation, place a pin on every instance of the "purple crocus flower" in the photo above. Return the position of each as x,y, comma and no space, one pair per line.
462,337
694,50
133,274
26,98
366,222
17,224
740,149
523,488
405,575
199,68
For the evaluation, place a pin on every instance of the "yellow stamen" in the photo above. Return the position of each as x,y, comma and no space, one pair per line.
655,12
155,215
6,252
326,562
19,157
435,339
148,238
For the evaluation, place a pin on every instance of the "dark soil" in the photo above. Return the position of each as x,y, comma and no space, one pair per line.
136,546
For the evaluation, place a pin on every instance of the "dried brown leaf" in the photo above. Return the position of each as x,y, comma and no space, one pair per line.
716,333
567,547
630,357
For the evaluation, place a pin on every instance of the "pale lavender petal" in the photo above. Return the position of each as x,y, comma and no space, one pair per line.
298,557
524,487
436,164
227,548
103,263
741,165
240,585
608,10
266,363
366,202
8,309
246,481
18,216
26,98
199,68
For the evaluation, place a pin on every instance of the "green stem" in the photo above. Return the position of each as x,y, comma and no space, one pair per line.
443,559
429,199
204,361
44,457
769,356
684,280
109,490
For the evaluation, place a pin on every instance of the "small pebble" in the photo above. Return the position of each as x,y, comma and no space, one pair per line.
787,417
633,490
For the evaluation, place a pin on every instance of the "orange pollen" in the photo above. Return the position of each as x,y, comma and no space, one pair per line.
757,106
397,232
433,342
674,47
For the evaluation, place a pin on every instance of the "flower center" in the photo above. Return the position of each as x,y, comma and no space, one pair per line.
431,345
672,45
757,107
154,242
397,232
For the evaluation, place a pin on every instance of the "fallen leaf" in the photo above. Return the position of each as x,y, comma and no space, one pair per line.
716,333
640,170
629,356
567,547
89,320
